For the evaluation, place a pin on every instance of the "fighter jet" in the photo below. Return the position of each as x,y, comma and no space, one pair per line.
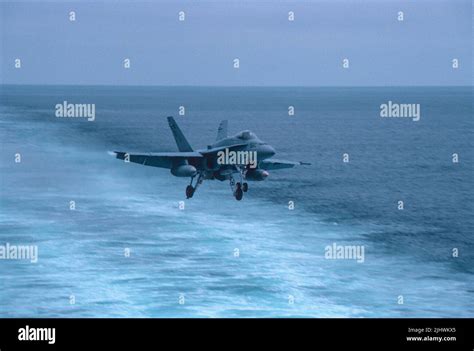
243,156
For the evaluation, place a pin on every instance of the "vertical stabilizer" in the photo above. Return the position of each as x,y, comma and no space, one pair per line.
222,130
181,141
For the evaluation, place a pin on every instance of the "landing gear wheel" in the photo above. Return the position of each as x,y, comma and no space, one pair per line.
245,187
189,191
238,194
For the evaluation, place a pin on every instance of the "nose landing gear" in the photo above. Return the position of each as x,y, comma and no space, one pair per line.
239,189
238,193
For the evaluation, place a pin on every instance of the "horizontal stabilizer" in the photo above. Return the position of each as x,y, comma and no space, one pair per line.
271,164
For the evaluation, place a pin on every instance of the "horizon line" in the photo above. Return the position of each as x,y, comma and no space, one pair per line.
242,86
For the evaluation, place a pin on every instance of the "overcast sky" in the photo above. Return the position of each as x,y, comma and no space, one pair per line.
272,50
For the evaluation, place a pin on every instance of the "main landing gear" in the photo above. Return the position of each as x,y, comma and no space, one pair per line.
190,189
238,188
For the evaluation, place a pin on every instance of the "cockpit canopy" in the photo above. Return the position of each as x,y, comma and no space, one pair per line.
246,135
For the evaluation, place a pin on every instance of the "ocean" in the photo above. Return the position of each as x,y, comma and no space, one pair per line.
129,250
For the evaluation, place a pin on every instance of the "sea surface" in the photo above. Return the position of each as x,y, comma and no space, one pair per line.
223,258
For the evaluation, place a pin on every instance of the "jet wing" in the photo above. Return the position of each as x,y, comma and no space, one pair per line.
271,164
158,159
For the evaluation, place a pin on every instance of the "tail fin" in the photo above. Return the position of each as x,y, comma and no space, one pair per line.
181,141
222,130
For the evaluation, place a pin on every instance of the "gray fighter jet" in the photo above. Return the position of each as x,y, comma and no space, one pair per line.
243,155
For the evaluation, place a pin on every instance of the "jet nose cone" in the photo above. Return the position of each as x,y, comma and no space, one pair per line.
271,151
267,151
